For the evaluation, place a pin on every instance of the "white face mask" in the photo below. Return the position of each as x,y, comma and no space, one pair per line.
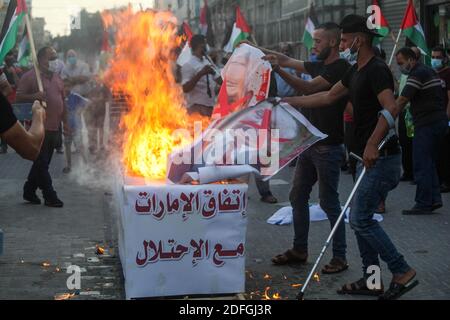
53,66
348,55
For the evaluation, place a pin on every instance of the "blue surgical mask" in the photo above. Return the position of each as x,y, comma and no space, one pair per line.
348,55
436,64
72,60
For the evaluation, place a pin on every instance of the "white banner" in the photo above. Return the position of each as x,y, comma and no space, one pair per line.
182,239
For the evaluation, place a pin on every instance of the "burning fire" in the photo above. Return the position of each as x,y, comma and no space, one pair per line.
142,68
266,295
316,277
64,296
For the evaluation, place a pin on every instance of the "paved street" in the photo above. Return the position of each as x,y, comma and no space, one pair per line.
40,242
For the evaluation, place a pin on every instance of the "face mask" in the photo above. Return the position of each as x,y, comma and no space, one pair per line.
53,66
436,63
348,55
72,60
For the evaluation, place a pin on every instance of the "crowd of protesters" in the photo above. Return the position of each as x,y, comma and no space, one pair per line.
346,90
349,92
73,96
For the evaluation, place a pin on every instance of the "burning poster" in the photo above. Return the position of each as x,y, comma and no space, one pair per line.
246,81
261,139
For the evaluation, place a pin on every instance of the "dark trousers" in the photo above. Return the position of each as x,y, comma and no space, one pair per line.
263,187
3,144
322,164
406,143
39,177
444,160
426,142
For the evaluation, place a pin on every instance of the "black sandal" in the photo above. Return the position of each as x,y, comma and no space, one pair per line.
336,265
288,257
396,290
359,288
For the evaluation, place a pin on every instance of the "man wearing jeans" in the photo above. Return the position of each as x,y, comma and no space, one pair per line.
369,85
423,90
322,162
53,95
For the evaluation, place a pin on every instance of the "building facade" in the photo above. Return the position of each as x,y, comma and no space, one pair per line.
275,21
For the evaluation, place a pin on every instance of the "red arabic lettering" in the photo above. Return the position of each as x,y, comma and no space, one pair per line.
219,252
143,203
209,209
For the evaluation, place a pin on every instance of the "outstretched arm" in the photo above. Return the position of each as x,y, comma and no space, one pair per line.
28,143
320,99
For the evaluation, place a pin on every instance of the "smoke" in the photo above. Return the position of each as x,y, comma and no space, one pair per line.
96,170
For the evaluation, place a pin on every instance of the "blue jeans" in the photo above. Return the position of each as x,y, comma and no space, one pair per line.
371,238
426,144
320,163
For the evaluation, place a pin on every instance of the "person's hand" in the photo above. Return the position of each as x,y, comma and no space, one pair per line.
41,96
38,110
207,70
273,59
371,155
287,100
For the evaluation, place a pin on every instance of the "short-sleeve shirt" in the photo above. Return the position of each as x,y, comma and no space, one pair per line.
7,117
329,119
425,91
198,95
80,69
364,85
444,74
54,90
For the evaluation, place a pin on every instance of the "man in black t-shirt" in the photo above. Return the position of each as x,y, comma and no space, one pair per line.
322,162
441,66
423,90
26,143
369,84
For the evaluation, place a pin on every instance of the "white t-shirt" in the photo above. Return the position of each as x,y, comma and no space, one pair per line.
198,95
80,69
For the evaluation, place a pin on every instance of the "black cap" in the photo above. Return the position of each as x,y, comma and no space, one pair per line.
353,23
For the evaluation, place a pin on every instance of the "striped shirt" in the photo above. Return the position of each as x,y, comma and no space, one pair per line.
424,90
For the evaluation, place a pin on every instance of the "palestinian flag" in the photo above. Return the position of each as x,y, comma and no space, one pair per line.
383,28
206,25
412,29
186,53
13,20
310,26
23,57
241,31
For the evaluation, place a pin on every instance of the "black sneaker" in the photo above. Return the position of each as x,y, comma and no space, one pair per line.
31,197
418,211
445,188
269,199
436,206
54,203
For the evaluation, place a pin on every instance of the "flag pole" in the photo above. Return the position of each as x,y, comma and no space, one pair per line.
33,56
395,47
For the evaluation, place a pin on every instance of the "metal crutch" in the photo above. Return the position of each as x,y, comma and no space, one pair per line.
338,221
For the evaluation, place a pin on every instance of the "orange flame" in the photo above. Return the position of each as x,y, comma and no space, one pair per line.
142,68
266,295
316,277
64,296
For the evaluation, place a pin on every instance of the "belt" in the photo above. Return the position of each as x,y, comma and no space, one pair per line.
390,152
